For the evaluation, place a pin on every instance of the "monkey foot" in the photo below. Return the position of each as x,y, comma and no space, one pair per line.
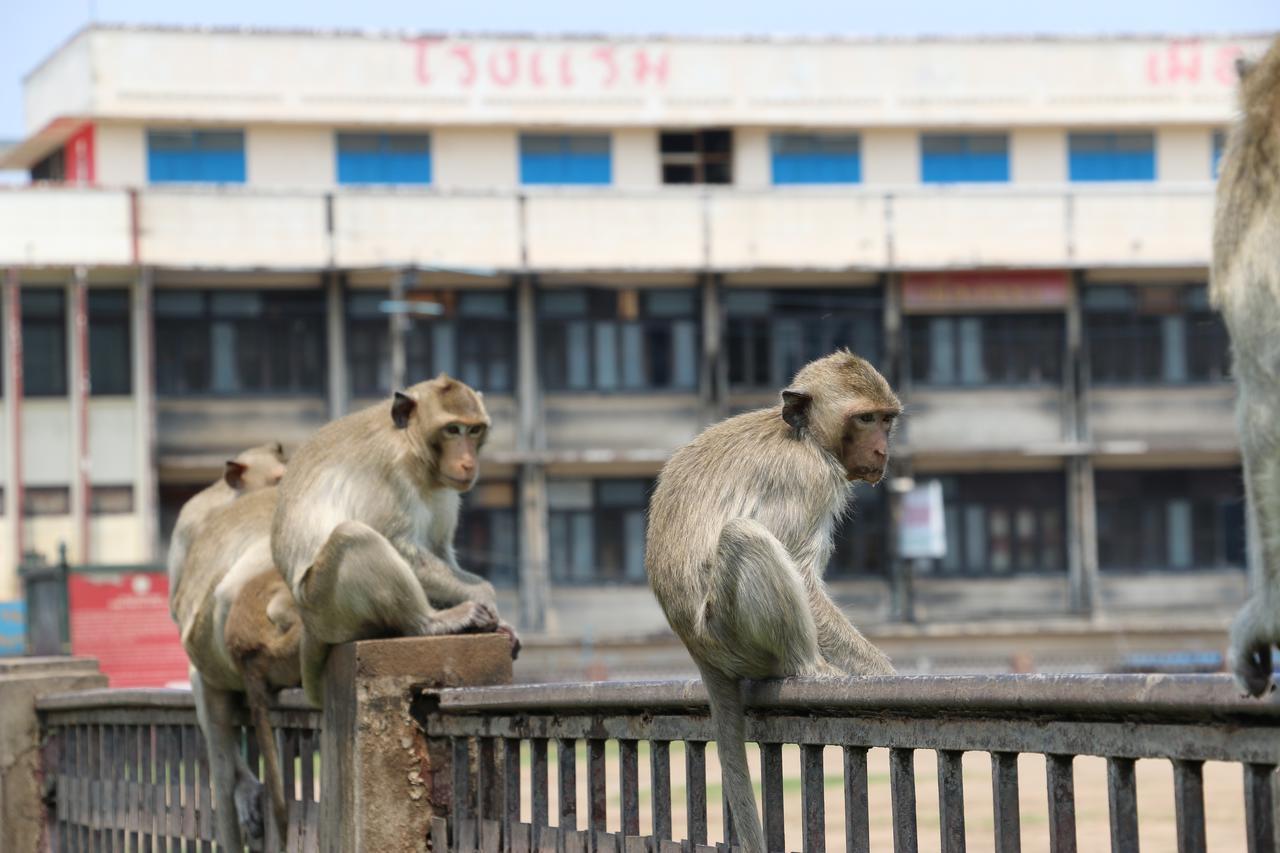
1253,671
512,638
249,808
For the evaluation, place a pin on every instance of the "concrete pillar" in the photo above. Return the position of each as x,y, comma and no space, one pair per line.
78,363
146,498
13,434
398,326
24,768
533,582
383,779
714,385
1082,528
336,330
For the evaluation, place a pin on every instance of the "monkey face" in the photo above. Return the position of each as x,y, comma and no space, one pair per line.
864,450
458,459
256,468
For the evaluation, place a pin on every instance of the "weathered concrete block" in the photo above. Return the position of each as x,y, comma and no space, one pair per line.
377,770
22,681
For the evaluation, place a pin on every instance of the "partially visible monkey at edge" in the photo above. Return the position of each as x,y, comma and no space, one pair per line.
363,533
1245,287
740,530
240,629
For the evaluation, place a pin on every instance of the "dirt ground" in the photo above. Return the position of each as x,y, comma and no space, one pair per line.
1223,786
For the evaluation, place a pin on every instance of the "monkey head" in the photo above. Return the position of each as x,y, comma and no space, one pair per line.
255,468
1260,83
445,423
846,406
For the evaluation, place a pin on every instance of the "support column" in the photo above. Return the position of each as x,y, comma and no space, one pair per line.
1082,536
401,283
146,502
383,779
901,585
78,350
13,435
336,332
714,385
534,581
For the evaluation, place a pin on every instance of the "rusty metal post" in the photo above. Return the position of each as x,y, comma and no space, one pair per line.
383,778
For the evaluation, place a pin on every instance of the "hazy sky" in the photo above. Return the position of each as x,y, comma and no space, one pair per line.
31,29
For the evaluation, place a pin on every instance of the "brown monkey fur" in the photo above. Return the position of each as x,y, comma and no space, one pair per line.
240,629
363,532
740,528
1245,287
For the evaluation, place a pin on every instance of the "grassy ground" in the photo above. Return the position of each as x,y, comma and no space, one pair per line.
1223,785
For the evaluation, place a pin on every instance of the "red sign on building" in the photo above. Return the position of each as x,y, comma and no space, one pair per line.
985,290
122,619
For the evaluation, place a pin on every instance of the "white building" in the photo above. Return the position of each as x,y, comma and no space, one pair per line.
629,239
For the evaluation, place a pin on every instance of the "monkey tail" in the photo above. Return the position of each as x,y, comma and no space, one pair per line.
255,684
728,715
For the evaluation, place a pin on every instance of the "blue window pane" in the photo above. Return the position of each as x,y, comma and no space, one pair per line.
195,156
829,158
970,158
384,158
565,159
1111,156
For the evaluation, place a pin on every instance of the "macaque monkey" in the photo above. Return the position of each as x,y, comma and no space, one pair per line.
1245,287
240,629
740,528
363,533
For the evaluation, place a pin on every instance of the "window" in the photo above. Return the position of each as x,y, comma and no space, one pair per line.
473,338
619,340
861,541
486,541
565,159
997,349
52,168
816,158
44,342
1219,145
110,362
46,500
111,500
1154,335
771,334
972,158
596,530
1111,156
384,158
697,156
999,524
239,342
195,156
1170,520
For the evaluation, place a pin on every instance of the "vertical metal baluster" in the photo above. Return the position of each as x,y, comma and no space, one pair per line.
951,800
813,798
629,778
660,787
695,776
902,786
1122,797
567,757
487,788
1260,807
1004,791
510,789
597,787
463,823
1188,799
771,788
539,785
857,820
1062,803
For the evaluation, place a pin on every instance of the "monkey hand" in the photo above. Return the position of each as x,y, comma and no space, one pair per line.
512,638
1249,656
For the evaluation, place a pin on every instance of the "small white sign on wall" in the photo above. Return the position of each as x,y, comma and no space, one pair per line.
922,532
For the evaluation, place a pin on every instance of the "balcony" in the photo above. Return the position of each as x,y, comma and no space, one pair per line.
578,230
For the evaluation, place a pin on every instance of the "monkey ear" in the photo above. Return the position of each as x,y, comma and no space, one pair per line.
445,380
795,407
401,408
279,450
1243,67
234,474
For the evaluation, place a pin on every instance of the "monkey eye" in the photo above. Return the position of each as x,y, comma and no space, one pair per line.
867,418
453,429
477,430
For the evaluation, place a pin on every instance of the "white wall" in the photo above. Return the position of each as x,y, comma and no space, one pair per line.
752,168
475,158
1184,154
890,157
291,158
636,164
1038,155
120,151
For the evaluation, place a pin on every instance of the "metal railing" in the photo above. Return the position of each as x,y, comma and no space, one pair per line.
127,770
500,738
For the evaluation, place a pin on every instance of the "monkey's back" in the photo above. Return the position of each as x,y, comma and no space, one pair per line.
749,466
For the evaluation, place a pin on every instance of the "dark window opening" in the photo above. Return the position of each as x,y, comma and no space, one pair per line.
1001,524
1154,335
596,530
44,342
997,349
697,156
110,336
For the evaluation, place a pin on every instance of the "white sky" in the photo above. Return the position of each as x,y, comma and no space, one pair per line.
31,29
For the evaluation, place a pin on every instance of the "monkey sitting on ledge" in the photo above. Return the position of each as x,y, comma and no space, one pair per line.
740,528
363,531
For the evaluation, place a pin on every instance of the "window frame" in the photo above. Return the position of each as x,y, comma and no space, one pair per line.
1113,164
565,166
227,165
815,167
1204,337
964,165
917,329
384,159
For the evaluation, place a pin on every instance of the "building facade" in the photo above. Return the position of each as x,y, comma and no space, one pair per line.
232,236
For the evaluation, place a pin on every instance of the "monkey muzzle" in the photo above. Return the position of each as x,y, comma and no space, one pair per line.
868,473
